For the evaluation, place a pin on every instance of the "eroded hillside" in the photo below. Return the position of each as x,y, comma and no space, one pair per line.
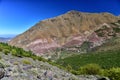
71,28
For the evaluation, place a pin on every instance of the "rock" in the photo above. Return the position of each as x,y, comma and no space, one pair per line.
38,70
38,76
104,78
27,67
2,71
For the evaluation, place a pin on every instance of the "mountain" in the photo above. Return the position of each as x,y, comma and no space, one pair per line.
70,29
2,39
8,35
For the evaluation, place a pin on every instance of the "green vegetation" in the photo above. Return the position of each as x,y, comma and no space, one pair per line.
26,62
1,65
118,21
19,52
97,63
106,63
112,44
6,51
106,60
0,57
116,29
113,73
90,69
100,32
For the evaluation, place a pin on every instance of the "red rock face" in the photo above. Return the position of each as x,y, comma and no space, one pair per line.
75,40
95,39
41,46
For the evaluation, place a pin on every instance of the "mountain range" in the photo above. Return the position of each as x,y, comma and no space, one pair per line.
2,39
68,31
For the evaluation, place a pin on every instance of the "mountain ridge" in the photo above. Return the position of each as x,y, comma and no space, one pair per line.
71,28
2,39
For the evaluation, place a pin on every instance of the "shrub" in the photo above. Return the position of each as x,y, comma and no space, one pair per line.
118,21
26,54
68,67
6,51
113,73
14,52
100,34
16,63
91,69
34,57
1,65
1,49
75,72
39,58
0,57
26,62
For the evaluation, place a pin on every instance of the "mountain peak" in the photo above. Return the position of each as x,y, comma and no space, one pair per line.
73,11
71,28
76,12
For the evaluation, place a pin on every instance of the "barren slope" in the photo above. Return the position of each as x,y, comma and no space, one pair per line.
72,28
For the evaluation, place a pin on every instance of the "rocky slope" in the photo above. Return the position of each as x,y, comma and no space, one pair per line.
16,68
104,35
70,29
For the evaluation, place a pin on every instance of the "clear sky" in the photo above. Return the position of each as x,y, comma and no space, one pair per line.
16,16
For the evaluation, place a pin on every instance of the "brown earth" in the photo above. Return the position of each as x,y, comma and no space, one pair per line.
71,28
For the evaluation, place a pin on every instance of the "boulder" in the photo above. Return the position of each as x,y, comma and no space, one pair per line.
2,71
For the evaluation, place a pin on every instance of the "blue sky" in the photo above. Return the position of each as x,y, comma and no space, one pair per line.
16,16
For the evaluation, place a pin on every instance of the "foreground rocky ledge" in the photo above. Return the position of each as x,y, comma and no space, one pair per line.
16,68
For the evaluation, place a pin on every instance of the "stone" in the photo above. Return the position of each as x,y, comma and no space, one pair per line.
104,78
2,71
41,71
38,76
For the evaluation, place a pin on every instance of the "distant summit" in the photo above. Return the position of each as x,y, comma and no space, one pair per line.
70,29
8,35
2,39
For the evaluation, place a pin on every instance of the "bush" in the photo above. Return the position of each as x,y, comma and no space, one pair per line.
0,57
69,68
117,29
1,49
6,51
26,62
113,73
26,54
90,69
75,72
34,57
118,21
14,52
1,65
